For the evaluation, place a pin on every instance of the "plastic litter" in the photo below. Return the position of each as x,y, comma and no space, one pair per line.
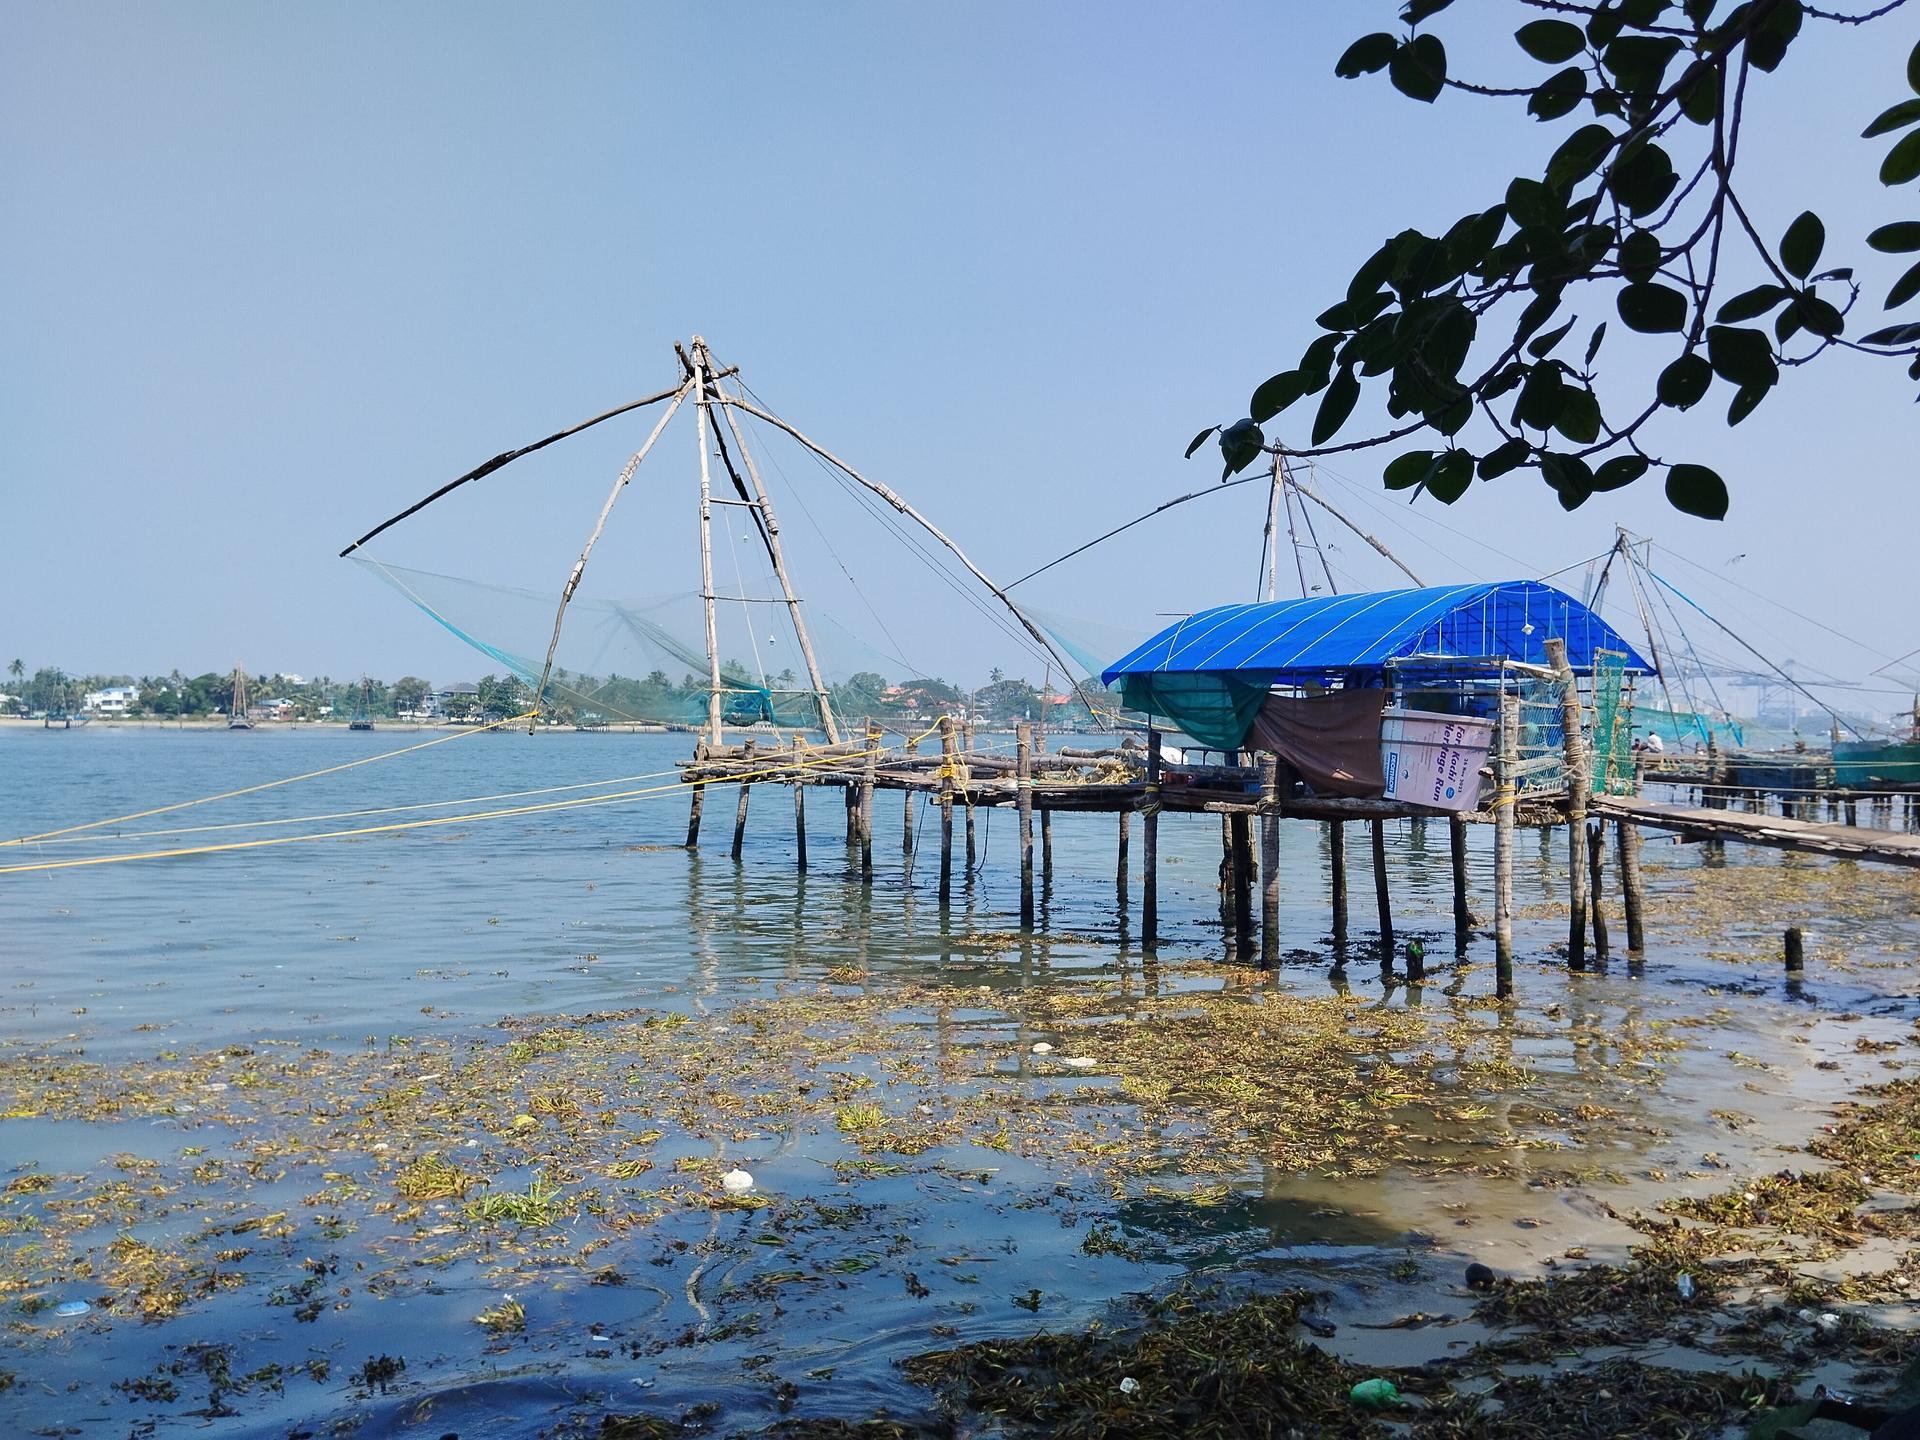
1685,1286
1079,1062
1129,1386
1043,1048
72,1309
734,1182
1480,1277
1375,1394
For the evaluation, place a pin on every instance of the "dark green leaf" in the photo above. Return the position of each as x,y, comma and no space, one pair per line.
1897,238
1503,381
1905,288
1913,70
1419,68
1750,304
1642,178
1275,394
1505,457
1200,440
1698,11
1368,279
1551,42
1745,401
1699,93
1819,316
1240,446
1620,471
1468,242
1639,62
1579,156
1449,338
1531,203
1843,272
1894,117
1539,401
1579,417
1539,310
1593,345
1744,356
1893,335
1366,55
1571,478
1640,256
1558,93
1317,363
1787,324
1450,419
1414,11
1696,490
1684,382
1404,472
1451,476
1603,24
1336,405
1543,345
1653,309
1800,247
1903,161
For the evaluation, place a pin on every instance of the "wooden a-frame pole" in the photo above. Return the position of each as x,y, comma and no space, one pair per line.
770,533
702,416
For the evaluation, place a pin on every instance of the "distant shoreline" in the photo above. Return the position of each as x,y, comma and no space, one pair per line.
213,723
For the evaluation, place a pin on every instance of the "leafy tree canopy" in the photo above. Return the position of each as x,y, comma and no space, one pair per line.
1485,338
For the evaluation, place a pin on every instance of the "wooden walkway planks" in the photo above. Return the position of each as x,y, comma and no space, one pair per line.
1848,841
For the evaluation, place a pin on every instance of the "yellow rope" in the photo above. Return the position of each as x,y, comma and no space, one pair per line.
264,785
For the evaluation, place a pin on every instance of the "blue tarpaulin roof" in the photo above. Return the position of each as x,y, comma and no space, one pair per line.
1325,636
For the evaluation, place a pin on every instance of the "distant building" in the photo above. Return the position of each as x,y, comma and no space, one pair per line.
271,710
112,700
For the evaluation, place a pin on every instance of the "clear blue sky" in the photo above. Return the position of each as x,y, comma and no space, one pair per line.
272,272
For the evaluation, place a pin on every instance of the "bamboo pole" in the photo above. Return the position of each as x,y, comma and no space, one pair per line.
1503,804
693,814
1337,858
770,534
703,417
1270,856
1632,891
1597,868
1046,846
1380,894
907,797
946,808
969,799
1241,830
799,814
1120,860
1576,761
1023,752
1150,848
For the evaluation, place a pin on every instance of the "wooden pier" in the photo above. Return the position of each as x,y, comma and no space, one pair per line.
1779,832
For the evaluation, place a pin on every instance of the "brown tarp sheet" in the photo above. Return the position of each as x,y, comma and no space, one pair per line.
1333,740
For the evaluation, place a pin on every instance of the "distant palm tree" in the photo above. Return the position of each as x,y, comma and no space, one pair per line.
17,669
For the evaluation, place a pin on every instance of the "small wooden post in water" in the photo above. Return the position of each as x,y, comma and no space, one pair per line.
1380,896
1243,937
1503,803
1796,953
866,802
1150,847
740,811
799,809
1023,782
1462,915
906,824
946,808
968,798
699,800
1597,868
1632,891
1120,859
1576,759
1337,856
1046,845
1270,861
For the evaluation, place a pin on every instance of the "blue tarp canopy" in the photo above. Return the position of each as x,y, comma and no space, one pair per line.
1210,671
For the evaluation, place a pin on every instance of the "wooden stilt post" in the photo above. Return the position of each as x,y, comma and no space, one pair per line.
1380,893
1023,781
850,796
1150,848
946,808
740,811
1503,803
799,815
906,823
1337,856
968,798
1270,861
1046,846
1244,940
1462,914
693,814
1632,890
1225,878
1597,867
1577,779
1120,859
866,801
1796,958
707,596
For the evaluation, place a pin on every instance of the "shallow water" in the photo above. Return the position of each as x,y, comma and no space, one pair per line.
384,950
